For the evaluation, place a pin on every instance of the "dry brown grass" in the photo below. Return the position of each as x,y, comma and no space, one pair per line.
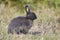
46,23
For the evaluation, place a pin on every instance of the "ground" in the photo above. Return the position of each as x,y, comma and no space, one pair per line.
47,23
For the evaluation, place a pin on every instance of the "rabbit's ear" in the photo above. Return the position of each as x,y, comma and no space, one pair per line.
34,16
27,8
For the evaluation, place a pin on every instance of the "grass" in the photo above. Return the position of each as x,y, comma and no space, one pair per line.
47,12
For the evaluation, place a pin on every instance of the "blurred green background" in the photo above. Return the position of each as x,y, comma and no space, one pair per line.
47,22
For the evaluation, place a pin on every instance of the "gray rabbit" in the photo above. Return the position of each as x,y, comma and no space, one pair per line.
22,24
